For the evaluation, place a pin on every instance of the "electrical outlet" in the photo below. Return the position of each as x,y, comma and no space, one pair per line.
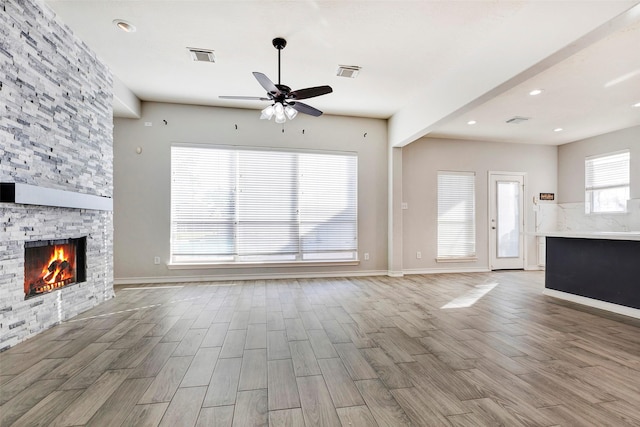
419,255
366,256
156,260
405,205
148,124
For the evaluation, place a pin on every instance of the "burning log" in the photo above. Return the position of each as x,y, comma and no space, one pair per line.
64,265
49,276
52,270
56,271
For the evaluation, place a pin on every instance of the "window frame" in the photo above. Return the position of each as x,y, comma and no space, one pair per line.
468,256
308,256
590,189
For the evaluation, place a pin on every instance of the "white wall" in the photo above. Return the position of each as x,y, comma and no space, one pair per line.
142,182
421,161
142,185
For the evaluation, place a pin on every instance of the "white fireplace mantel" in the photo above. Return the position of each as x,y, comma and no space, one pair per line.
28,194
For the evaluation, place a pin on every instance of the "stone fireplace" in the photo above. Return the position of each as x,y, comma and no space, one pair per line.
56,170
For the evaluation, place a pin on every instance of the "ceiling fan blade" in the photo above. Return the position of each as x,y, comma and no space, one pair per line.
310,92
266,83
247,98
306,109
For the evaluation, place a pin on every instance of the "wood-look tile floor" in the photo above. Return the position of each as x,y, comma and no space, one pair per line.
478,349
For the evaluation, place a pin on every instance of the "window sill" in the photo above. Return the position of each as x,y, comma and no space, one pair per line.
457,259
607,213
227,265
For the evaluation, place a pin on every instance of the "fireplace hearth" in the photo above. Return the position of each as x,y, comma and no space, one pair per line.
53,264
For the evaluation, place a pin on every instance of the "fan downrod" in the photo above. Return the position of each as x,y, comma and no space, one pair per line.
279,43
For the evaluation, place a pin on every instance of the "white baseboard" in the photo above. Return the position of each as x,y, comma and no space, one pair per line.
395,273
446,270
602,305
534,268
235,277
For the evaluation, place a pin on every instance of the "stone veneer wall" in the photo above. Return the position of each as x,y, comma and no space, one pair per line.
56,132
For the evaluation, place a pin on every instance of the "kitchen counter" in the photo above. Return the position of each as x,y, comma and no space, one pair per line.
611,235
600,269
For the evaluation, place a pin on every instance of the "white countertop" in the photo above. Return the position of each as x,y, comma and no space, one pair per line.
608,235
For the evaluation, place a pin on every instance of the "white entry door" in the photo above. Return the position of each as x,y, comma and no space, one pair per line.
506,220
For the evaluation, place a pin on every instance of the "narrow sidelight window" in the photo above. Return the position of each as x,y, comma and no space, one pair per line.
456,215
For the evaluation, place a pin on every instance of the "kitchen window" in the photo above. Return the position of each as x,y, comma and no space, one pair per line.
607,182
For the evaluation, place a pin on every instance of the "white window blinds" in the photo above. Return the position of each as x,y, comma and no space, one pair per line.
237,205
456,215
607,182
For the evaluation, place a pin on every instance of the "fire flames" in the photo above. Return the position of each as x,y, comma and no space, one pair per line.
54,270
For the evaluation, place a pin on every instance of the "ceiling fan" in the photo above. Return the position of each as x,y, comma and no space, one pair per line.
285,102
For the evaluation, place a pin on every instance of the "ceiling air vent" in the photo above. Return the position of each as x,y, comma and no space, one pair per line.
350,71
202,55
517,120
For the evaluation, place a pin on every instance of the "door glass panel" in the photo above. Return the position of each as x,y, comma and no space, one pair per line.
508,219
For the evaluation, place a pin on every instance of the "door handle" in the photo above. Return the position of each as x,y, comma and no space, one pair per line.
493,228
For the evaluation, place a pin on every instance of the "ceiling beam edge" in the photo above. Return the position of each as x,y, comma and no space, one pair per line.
125,102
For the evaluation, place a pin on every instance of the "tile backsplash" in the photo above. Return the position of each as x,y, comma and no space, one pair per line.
572,217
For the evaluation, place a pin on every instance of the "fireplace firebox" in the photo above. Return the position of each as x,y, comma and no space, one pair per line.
53,264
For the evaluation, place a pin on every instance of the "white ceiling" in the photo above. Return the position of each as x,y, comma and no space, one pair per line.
428,66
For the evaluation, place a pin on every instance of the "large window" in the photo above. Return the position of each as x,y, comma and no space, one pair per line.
456,215
250,205
607,182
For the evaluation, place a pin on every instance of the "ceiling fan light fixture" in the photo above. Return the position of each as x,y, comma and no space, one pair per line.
267,113
278,107
285,102
290,112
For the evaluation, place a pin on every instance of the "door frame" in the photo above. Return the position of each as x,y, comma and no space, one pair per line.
491,243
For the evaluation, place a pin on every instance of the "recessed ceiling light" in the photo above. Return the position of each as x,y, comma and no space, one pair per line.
535,92
636,105
125,26
557,130
471,122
